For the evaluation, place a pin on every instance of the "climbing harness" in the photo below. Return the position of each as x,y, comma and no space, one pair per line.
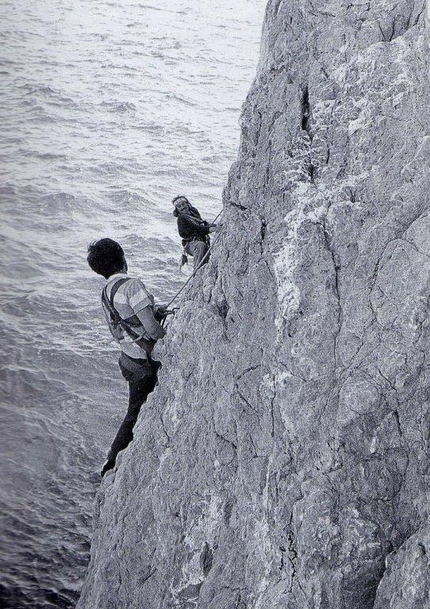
145,342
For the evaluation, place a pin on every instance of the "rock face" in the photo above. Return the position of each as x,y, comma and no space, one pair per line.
283,460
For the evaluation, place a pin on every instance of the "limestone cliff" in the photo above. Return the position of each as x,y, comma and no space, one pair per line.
283,460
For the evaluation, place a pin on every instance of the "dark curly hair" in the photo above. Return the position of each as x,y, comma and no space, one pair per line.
106,257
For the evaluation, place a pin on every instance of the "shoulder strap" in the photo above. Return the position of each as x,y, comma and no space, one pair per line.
194,220
195,212
108,302
116,287
117,319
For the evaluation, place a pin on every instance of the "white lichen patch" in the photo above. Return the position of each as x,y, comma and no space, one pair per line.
288,291
285,260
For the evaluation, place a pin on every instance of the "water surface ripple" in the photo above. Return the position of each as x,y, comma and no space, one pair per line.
108,110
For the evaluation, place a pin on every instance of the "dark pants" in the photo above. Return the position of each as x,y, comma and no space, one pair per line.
138,392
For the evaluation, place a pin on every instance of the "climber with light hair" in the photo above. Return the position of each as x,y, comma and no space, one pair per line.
193,230
134,322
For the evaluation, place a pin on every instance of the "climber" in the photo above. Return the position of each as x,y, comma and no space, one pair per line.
133,319
193,230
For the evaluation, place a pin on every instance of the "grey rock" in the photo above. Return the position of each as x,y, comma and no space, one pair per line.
406,581
283,460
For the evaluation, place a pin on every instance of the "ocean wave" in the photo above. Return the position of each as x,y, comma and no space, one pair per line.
100,135
45,91
120,107
182,99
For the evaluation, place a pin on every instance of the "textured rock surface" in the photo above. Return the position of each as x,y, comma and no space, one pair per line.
283,460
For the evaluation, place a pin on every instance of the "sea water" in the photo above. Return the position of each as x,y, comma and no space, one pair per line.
109,109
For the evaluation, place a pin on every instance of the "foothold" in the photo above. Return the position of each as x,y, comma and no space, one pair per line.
223,309
206,559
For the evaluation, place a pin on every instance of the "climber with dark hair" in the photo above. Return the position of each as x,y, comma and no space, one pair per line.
133,319
193,230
